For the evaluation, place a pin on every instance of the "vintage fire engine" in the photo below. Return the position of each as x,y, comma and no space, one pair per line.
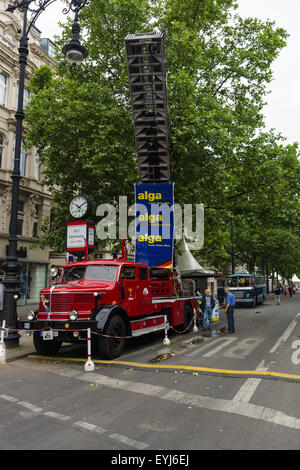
115,298
118,298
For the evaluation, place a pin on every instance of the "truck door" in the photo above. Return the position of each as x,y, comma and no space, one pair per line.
143,292
128,280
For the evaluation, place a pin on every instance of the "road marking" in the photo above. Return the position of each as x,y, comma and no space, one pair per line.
59,416
29,406
246,346
8,398
295,356
83,424
129,442
247,390
215,404
209,370
283,338
208,343
89,427
218,348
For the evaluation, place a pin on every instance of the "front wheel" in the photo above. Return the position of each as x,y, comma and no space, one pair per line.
111,348
46,348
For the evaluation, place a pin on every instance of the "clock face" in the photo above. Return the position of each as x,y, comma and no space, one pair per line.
79,207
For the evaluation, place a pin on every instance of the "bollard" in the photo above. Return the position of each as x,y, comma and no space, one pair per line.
89,366
2,345
166,341
195,327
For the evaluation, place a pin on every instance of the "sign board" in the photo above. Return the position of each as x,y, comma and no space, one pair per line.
78,234
154,231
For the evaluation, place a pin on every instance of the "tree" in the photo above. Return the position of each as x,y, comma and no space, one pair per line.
218,68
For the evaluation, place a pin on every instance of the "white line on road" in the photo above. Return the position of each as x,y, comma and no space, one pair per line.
283,338
208,343
247,390
218,348
129,442
83,425
89,427
241,408
8,398
29,406
52,414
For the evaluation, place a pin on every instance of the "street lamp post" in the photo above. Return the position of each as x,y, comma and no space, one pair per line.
74,53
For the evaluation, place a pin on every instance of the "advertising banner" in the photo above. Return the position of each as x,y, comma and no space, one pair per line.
154,229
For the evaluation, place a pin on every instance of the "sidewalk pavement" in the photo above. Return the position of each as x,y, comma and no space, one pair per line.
26,342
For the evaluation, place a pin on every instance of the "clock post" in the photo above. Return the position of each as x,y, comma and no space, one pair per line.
80,232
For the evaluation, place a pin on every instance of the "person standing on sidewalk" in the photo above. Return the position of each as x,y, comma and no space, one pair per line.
207,306
277,295
229,310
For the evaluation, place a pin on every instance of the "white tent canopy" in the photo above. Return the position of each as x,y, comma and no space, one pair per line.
186,261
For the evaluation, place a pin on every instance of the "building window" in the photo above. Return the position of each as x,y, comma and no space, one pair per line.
23,158
37,167
26,96
1,150
36,222
3,87
20,218
7,44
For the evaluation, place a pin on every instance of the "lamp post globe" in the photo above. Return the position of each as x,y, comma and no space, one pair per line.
74,53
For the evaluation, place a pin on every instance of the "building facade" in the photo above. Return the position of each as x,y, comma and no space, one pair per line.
34,199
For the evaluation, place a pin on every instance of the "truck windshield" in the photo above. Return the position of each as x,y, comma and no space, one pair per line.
90,273
76,273
101,272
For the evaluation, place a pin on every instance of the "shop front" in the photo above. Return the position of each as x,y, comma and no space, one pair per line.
33,278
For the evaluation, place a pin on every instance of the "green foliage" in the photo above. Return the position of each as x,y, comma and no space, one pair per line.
219,66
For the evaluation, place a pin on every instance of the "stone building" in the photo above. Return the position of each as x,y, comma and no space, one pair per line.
34,199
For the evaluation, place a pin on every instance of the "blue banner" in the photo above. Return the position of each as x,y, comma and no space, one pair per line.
154,228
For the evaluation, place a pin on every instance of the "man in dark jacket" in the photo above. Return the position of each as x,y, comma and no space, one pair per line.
207,306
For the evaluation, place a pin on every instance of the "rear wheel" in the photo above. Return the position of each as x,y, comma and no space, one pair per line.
187,319
111,348
47,347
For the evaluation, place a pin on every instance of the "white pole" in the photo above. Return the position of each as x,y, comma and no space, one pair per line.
89,366
166,341
2,345
195,327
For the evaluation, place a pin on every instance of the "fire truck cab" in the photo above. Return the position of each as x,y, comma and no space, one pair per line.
115,298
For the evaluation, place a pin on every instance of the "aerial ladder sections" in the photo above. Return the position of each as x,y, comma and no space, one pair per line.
147,78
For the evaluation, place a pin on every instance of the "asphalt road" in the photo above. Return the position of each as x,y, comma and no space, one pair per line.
48,404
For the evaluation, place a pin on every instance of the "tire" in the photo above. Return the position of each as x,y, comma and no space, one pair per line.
110,348
187,319
46,348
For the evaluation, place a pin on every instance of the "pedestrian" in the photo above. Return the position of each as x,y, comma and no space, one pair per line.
290,291
285,291
277,295
207,306
229,310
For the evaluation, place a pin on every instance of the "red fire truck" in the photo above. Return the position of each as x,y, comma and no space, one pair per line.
114,298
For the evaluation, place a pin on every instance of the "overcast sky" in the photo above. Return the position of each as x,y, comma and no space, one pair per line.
282,111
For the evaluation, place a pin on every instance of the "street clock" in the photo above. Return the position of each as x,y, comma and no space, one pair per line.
81,207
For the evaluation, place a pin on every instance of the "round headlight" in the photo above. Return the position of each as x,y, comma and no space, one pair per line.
53,271
73,315
31,315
